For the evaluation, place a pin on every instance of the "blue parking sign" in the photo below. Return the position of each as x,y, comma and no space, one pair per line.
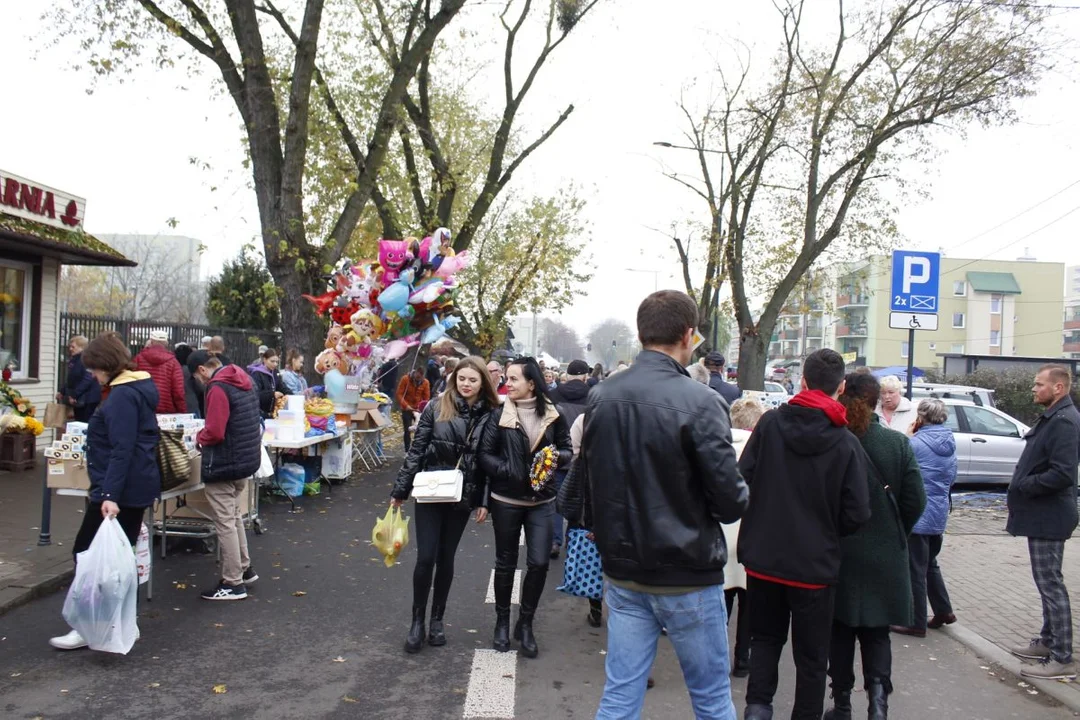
915,279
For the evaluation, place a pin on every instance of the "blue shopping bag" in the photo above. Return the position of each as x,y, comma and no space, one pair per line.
582,574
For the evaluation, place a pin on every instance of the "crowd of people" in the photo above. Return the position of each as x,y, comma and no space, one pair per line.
822,520
119,397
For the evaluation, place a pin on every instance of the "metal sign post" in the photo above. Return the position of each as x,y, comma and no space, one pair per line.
913,304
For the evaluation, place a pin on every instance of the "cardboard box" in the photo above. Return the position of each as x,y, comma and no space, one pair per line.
368,416
196,507
68,474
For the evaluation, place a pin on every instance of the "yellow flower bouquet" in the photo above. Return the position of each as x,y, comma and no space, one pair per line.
545,462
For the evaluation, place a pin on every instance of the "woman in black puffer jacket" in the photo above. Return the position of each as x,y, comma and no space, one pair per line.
447,435
525,423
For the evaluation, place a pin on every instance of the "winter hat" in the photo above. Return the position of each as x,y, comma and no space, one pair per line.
577,368
159,336
715,359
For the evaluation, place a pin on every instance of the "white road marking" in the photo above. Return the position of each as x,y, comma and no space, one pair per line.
492,683
515,598
521,540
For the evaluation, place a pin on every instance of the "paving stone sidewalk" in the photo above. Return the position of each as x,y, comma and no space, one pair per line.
988,575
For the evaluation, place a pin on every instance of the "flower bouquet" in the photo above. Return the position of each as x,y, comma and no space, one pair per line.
12,423
13,398
543,468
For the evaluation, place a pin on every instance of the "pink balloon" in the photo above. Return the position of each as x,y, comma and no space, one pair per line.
397,348
453,265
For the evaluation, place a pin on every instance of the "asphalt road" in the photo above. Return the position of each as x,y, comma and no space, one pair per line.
321,635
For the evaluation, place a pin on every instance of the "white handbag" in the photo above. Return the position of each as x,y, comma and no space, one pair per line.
438,486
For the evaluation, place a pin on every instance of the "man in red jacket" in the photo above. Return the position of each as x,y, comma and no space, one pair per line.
165,371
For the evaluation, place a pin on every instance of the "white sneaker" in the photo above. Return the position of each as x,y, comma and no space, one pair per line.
72,641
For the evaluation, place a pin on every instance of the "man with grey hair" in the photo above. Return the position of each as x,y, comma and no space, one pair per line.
1042,508
205,342
895,410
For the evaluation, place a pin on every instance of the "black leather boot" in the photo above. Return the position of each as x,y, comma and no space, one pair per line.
757,712
841,709
879,701
415,641
436,636
501,640
531,589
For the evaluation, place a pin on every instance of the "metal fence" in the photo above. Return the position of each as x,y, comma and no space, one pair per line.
241,345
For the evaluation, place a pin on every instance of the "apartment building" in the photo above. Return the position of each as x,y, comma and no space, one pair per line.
1071,346
987,307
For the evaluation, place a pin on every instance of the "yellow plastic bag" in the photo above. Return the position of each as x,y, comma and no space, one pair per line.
390,535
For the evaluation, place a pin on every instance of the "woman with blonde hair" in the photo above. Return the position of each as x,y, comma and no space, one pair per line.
447,436
896,411
745,414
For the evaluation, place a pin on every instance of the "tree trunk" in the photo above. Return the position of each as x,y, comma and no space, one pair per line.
753,353
301,327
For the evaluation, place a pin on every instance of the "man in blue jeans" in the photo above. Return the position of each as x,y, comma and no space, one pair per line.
662,475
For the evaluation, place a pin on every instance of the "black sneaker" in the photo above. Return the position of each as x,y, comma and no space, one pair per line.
226,592
250,576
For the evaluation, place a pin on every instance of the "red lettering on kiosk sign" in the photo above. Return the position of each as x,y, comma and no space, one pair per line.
11,193
71,215
49,206
30,198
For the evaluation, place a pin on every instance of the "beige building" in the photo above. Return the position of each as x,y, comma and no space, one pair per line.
986,307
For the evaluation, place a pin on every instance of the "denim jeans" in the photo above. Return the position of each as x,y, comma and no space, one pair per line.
697,627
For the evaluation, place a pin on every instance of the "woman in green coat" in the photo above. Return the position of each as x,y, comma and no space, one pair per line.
874,591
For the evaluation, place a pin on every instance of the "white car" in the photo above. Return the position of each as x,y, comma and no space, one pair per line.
772,397
988,442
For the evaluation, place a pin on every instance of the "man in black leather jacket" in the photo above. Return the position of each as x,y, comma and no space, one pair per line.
662,475
1042,508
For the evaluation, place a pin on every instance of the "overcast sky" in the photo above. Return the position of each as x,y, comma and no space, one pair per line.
128,147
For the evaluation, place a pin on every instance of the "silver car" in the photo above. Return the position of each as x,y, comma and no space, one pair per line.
988,442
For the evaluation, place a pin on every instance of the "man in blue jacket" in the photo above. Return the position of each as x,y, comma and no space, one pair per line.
715,364
1042,508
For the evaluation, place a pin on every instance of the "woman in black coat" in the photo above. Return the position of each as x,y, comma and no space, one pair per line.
526,423
267,380
447,436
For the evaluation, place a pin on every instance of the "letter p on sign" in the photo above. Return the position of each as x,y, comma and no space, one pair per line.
916,271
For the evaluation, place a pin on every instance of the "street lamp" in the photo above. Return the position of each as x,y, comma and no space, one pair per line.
665,144
655,274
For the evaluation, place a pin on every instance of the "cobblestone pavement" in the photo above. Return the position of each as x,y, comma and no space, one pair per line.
988,574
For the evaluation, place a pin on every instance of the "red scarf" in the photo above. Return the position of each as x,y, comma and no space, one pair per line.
818,400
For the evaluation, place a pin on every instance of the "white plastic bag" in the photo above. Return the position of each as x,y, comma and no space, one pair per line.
100,604
266,467
142,555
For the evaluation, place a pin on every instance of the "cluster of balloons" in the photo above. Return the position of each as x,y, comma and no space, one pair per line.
379,309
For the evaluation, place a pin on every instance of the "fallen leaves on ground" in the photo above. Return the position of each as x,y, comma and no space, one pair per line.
299,593
220,689
338,659
180,585
219,625
349,699
154,685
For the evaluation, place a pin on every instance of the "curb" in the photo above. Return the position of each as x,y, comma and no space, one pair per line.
987,650
46,587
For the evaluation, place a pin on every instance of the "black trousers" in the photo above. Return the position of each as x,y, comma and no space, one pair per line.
876,657
926,578
742,623
407,417
438,528
809,612
130,520
508,521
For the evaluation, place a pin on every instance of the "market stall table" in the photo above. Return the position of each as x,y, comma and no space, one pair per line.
276,447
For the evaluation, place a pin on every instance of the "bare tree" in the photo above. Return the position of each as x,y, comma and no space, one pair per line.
560,340
814,157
